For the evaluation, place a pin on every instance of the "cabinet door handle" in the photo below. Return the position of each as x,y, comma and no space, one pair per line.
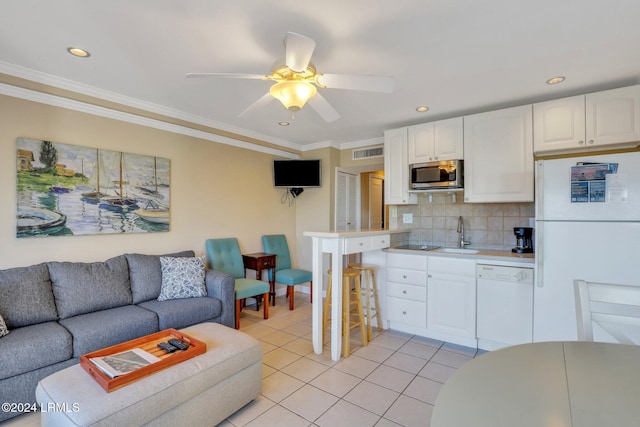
404,292
580,142
404,312
404,276
590,141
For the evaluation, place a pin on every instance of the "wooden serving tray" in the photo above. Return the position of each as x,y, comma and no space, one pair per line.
148,343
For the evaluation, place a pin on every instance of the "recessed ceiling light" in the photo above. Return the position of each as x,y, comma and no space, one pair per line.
76,51
422,109
555,80
283,123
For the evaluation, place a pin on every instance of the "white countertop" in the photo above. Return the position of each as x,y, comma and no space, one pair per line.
351,233
482,254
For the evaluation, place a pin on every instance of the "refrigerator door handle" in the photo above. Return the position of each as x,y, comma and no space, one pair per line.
539,254
539,207
539,199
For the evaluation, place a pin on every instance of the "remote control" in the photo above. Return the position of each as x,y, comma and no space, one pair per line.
167,347
179,344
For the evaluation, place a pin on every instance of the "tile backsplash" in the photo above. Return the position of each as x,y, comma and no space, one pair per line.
486,225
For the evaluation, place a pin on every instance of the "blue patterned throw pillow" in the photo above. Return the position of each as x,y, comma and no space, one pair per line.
3,327
182,277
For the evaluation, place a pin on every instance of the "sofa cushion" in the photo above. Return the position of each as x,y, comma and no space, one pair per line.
179,313
182,278
3,327
145,273
94,331
87,287
32,347
26,296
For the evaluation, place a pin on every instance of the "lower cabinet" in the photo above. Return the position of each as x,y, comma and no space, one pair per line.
406,291
436,297
451,299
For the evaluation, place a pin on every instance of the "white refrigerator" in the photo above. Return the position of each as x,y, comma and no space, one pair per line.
586,228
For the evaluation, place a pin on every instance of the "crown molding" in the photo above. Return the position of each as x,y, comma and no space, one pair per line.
87,90
70,104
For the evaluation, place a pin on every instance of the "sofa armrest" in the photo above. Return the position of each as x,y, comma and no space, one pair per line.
223,286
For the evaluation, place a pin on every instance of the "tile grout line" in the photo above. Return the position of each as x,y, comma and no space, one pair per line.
288,319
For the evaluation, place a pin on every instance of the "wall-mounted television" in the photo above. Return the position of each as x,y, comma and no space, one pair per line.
297,173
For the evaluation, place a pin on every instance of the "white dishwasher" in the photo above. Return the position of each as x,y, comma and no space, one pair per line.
504,306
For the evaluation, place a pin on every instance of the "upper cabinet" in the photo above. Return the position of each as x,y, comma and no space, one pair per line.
436,141
498,156
596,121
396,169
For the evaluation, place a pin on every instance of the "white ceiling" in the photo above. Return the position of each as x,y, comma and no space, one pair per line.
455,56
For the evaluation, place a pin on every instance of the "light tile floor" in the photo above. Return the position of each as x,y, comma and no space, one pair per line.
393,381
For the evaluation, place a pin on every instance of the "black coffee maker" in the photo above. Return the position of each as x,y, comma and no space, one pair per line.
524,244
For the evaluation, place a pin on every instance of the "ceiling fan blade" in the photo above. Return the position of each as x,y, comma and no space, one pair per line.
382,84
323,108
228,76
260,103
299,49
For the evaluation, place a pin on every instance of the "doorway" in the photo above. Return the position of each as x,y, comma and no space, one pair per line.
376,201
359,198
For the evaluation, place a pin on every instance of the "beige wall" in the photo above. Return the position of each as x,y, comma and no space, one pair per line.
217,190
314,207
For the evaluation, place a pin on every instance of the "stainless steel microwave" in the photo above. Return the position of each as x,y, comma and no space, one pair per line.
436,175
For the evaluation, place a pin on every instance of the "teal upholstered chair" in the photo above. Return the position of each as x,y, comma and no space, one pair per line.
277,244
224,255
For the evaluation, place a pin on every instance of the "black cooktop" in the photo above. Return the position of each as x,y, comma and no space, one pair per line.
418,247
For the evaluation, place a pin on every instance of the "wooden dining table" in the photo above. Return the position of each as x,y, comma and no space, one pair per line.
547,384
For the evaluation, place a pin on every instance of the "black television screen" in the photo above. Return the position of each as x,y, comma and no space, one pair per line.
296,173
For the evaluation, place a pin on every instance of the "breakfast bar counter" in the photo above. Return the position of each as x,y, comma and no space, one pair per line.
337,243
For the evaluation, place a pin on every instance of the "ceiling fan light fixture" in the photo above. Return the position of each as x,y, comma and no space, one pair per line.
293,94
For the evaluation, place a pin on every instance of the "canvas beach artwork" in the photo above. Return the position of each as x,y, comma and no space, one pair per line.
67,189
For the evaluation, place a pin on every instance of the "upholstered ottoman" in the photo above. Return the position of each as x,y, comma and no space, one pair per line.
201,391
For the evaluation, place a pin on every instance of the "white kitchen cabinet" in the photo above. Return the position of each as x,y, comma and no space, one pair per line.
396,169
498,156
354,245
596,121
436,141
451,299
406,291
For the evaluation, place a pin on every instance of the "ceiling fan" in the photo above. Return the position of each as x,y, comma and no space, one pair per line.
296,81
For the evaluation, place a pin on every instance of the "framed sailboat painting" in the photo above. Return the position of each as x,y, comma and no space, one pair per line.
73,190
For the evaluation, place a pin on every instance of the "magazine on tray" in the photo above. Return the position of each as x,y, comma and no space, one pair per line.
118,364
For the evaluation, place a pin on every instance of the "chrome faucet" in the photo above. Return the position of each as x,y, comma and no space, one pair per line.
461,240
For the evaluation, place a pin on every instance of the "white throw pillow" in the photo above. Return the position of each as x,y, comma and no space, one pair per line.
3,327
182,277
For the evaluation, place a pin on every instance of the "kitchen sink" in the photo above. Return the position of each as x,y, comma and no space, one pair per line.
459,251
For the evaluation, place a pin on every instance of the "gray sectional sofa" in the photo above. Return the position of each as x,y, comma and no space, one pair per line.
57,311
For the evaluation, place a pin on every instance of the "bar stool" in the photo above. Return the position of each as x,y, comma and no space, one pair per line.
352,312
370,292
